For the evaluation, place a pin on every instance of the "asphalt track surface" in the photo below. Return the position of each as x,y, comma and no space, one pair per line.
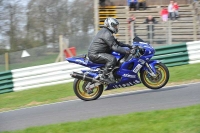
123,103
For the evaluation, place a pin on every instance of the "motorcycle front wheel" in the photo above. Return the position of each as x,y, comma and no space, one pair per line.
81,92
157,82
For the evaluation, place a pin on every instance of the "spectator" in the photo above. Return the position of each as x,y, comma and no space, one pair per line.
133,4
176,7
131,19
171,10
143,3
150,20
102,2
164,14
150,27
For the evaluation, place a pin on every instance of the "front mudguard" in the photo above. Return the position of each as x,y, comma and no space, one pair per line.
152,64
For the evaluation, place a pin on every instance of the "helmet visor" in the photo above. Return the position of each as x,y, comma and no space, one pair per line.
116,26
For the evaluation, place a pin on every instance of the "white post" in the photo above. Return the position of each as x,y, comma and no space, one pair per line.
132,31
96,15
169,33
6,61
61,53
194,28
127,30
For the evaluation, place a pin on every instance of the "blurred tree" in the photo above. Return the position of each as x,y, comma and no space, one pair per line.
11,24
40,22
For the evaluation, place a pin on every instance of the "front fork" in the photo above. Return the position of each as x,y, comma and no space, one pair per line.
150,71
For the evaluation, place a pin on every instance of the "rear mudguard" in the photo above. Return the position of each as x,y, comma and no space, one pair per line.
152,64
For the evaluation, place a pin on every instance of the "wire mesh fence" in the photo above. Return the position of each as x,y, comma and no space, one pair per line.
38,56
43,54
148,2
166,33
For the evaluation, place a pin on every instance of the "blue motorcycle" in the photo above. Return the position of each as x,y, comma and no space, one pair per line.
130,70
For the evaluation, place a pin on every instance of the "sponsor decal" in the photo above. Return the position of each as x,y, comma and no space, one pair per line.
81,62
129,76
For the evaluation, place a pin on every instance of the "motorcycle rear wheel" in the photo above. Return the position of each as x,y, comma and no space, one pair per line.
161,79
81,92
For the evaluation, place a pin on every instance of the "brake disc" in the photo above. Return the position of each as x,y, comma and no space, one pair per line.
157,78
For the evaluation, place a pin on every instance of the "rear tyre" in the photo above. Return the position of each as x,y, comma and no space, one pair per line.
81,92
161,79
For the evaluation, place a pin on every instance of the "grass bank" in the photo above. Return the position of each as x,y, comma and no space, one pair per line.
181,120
63,92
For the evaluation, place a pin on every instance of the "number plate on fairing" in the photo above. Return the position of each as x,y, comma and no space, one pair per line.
137,68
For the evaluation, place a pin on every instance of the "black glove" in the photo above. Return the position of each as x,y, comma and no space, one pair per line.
122,44
130,46
127,45
133,51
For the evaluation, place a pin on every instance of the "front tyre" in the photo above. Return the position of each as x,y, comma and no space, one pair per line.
161,79
81,92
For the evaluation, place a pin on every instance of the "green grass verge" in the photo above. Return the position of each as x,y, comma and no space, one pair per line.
181,120
64,92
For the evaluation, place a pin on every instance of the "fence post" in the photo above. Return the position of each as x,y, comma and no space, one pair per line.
127,26
165,25
151,33
169,33
6,61
194,27
96,15
61,53
132,31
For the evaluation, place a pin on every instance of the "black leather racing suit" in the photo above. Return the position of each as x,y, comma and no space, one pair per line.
101,46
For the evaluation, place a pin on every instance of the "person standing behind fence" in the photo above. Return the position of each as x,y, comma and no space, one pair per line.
150,27
131,19
133,4
171,10
176,7
164,14
102,3
143,3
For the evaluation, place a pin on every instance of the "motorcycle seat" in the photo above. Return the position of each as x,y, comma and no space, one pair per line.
81,56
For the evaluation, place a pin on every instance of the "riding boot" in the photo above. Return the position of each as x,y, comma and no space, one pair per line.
105,76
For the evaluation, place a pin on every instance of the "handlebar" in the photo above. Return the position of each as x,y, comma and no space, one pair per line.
137,51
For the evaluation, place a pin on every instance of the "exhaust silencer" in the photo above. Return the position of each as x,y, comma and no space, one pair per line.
83,77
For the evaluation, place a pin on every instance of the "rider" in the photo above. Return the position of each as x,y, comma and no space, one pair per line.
101,46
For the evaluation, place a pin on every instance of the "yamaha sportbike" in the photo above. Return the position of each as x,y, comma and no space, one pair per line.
130,70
